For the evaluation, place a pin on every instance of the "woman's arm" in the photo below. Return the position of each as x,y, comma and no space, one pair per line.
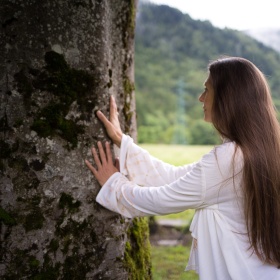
210,181
144,169
135,162
120,195
129,199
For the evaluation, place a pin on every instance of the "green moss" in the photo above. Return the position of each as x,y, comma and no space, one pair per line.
20,164
17,266
48,271
72,228
6,218
52,122
23,264
35,201
67,85
74,267
128,87
131,16
42,127
34,220
67,240
54,245
33,262
26,178
67,201
137,257
128,26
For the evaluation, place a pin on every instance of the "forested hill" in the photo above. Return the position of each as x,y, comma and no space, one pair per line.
172,52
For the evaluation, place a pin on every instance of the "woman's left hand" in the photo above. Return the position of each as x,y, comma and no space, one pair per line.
104,163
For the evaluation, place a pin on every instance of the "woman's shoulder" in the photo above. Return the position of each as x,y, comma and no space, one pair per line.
223,155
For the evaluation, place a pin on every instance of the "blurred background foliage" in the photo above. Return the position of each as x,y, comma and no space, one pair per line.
172,52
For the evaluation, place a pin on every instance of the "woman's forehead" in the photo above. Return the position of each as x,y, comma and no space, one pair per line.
208,81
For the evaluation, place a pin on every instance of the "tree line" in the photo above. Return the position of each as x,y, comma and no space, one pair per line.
171,55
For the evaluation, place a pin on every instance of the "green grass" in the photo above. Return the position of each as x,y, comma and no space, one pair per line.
186,215
176,154
169,262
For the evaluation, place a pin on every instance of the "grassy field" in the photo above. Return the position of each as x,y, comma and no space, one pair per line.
177,154
169,262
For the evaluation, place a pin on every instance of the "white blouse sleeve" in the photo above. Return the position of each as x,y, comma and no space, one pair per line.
145,170
127,198
197,188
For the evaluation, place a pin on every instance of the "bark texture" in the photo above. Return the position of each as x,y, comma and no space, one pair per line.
60,61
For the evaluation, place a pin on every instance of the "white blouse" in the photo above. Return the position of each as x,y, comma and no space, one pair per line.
147,186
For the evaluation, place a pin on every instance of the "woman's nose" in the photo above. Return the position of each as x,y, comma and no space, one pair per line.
201,97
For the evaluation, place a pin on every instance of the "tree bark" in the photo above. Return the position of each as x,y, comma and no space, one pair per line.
60,62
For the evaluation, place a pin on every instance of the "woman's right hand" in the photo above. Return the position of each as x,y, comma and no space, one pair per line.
112,126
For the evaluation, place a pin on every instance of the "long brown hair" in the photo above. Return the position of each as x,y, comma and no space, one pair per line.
244,113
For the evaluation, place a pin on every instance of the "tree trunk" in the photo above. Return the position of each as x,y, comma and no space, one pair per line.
60,61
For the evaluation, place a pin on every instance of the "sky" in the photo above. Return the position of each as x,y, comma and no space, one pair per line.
234,14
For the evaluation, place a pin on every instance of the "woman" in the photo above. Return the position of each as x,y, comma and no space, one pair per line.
235,188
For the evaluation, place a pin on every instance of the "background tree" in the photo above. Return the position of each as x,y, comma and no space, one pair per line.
60,61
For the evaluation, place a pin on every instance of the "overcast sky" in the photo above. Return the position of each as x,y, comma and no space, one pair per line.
235,14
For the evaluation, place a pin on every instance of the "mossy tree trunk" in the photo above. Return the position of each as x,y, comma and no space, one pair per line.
60,61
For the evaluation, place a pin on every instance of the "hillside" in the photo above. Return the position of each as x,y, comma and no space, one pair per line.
268,36
171,55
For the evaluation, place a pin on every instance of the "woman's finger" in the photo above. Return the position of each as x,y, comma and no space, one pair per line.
101,153
117,163
91,168
102,118
108,153
96,157
113,108
108,125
